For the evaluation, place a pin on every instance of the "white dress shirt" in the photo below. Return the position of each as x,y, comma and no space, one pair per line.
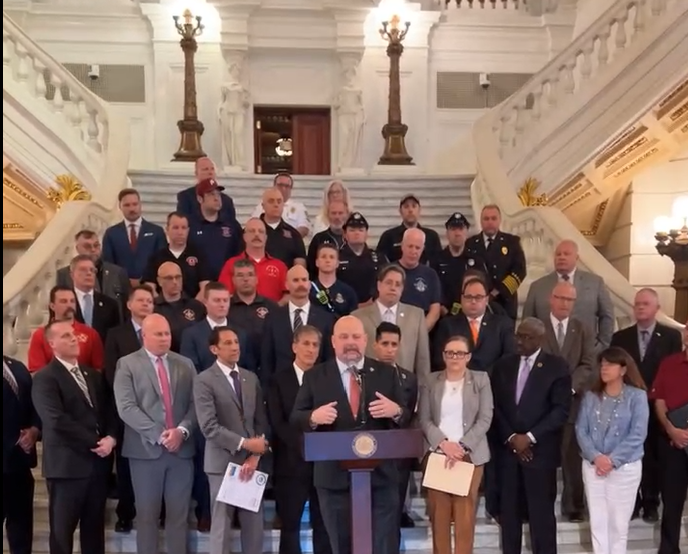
451,410
384,309
570,275
299,374
556,322
136,224
305,310
80,294
212,324
70,367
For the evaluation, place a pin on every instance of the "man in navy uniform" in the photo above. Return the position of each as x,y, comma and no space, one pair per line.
187,201
504,257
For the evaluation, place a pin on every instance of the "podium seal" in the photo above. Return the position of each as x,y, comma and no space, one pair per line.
364,445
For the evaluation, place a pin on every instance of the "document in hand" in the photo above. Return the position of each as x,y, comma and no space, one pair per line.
242,494
455,480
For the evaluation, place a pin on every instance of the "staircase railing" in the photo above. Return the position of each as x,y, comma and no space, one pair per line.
96,146
511,140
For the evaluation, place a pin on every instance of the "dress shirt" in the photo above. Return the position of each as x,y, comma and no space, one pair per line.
165,362
346,376
70,367
136,224
305,309
383,310
649,330
571,274
556,322
299,374
213,324
531,363
451,410
487,239
80,294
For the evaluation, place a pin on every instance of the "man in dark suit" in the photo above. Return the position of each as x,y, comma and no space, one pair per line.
93,308
133,241
570,338
20,430
280,325
79,427
387,342
187,199
331,399
122,341
648,342
532,398
504,257
293,477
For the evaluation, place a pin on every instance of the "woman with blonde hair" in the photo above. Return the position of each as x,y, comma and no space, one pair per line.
336,191
455,412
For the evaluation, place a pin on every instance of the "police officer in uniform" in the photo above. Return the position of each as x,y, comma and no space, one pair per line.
453,262
358,264
504,257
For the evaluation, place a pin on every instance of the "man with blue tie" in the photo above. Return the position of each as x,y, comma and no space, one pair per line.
20,430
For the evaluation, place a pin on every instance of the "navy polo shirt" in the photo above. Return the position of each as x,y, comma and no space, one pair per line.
422,287
218,241
340,299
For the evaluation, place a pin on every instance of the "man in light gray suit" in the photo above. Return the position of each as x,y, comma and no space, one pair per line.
232,418
154,395
414,351
593,307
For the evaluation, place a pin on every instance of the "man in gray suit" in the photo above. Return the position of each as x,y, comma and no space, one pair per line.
593,307
414,350
111,279
232,418
569,338
154,395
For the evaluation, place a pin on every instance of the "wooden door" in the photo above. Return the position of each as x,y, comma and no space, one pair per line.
311,139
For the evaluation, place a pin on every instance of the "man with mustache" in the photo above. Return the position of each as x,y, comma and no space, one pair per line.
63,308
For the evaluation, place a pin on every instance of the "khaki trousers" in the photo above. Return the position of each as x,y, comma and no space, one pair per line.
445,509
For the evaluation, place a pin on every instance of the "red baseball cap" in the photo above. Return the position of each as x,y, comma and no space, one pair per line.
208,185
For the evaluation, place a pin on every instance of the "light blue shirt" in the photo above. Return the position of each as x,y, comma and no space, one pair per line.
345,374
613,426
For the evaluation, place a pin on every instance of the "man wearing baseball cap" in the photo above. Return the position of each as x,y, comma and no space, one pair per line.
187,203
389,244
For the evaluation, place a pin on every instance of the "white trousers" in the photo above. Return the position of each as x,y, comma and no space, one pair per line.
611,500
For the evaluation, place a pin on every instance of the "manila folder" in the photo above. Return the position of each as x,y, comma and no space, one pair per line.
455,480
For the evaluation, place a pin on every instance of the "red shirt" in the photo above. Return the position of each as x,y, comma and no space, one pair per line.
90,348
271,273
671,382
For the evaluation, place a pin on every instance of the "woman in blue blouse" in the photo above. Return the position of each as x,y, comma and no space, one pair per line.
611,429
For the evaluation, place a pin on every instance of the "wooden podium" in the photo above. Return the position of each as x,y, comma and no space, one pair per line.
360,452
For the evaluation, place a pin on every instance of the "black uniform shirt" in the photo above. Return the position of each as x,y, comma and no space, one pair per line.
180,314
360,271
323,237
390,243
192,261
284,242
451,270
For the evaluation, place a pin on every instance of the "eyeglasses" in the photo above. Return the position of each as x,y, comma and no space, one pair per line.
456,354
474,297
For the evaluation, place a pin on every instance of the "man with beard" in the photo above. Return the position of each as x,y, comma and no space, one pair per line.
63,308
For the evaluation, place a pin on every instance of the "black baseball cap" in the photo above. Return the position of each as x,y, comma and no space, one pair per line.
407,198
356,220
457,220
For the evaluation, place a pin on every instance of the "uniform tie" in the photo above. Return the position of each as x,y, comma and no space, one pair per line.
523,375
81,381
166,392
354,392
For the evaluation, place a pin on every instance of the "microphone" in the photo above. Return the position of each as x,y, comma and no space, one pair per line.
362,411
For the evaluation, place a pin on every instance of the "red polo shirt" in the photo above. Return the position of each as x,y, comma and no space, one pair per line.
271,273
671,381
90,348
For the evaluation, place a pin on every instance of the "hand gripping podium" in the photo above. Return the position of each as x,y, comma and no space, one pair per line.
360,452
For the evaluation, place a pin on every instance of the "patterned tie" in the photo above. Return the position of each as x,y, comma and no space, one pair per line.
644,341
389,316
523,375
475,330
561,335
354,392
81,381
236,381
298,321
565,277
11,381
166,392
133,237
139,336
88,309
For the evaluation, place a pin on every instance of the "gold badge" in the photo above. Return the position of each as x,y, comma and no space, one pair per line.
364,445
505,250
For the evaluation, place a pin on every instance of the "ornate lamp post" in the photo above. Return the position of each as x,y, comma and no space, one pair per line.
394,131
190,127
672,241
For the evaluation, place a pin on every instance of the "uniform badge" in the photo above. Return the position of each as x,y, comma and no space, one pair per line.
100,304
420,285
262,312
471,262
286,234
505,250
339,299
82,338
226,232
455,308
271,270
292,210
192,260
373,256
189,314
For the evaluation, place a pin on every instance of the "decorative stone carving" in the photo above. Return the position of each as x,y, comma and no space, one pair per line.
232,116
350,115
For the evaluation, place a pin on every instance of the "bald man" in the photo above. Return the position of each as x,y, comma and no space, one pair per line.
281,323
154,396
332,399
293,212
187,203
284,241
593,304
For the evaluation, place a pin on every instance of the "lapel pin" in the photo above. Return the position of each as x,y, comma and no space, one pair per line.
658,334
372,369
100,304
539,364
403,376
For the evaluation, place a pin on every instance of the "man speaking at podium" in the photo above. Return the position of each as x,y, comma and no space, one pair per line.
348,393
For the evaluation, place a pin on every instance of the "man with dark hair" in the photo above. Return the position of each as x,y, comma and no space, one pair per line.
327,291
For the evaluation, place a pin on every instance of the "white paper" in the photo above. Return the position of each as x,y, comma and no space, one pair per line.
246,495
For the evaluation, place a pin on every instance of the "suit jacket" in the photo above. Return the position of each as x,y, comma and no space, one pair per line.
187,203
115,283
117,249
106,314
278,336
121,341
408,382
71,426
579,352
323,384
195,346
663,342
140,406
495,340
224,419
18,413
593,306
478,408
543,408
414,350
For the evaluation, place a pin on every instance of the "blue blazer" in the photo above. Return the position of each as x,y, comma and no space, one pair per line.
187,203
116,248
196,347
17,413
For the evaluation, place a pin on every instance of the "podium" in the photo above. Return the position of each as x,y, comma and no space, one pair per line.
360,452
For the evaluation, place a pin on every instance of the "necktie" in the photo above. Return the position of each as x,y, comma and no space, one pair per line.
523,375
11,381
475,330
561,336
298,321
88,309
81,381
354,392
234,374
389,316
166,392
139,336
644,340
490,242
133,238
565,277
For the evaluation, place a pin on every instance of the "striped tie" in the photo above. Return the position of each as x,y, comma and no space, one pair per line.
298,320
81,381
